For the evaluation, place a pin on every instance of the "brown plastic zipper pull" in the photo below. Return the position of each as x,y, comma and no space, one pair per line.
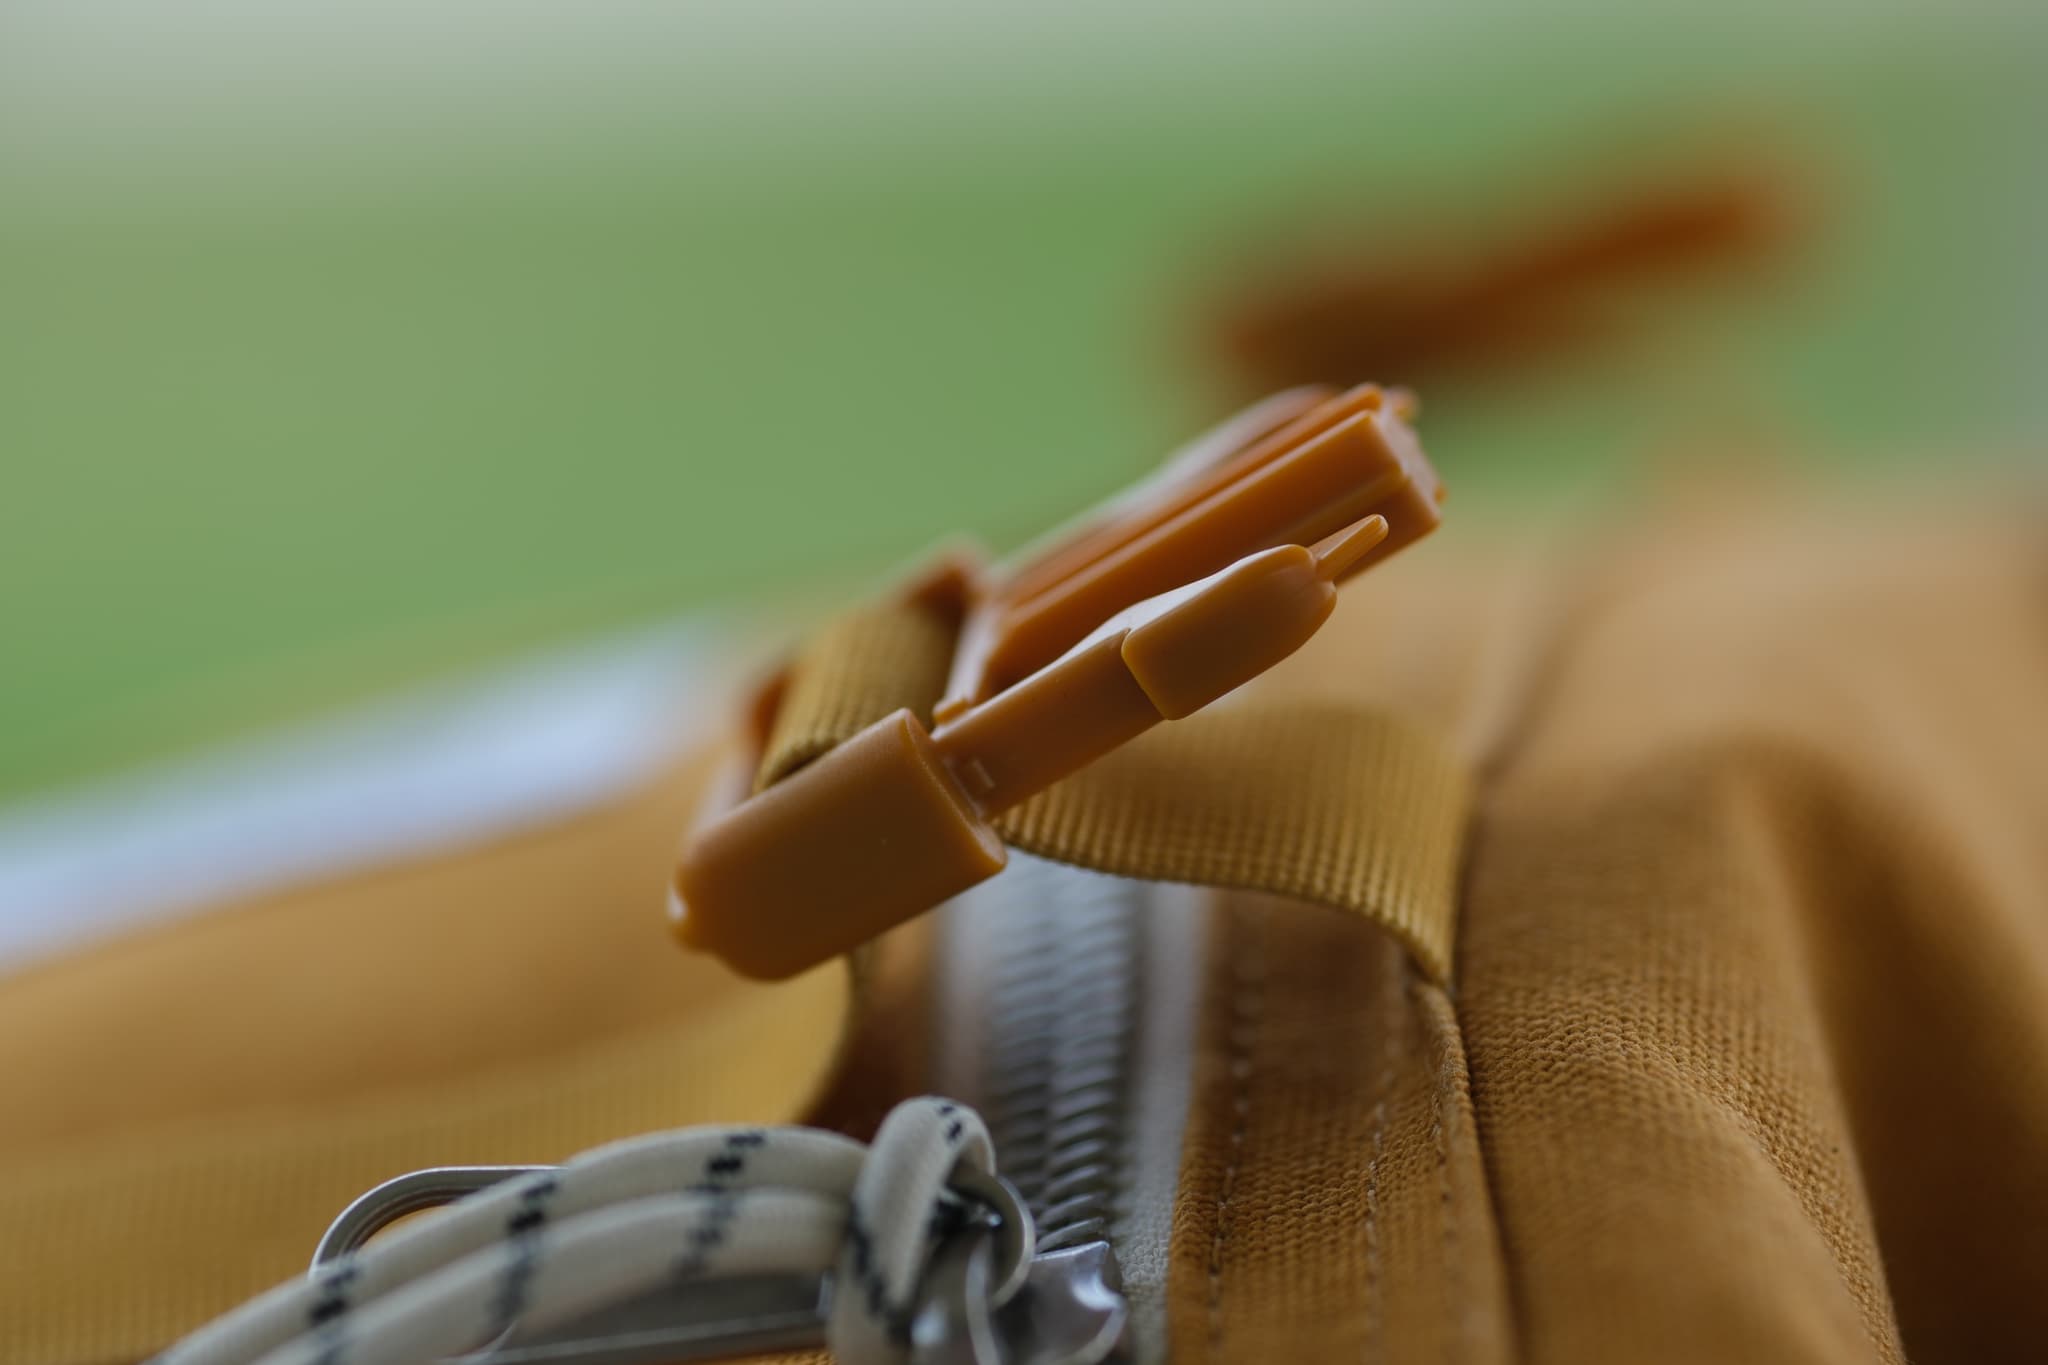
898,818
1150,614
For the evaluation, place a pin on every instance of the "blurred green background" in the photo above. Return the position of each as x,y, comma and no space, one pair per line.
345,346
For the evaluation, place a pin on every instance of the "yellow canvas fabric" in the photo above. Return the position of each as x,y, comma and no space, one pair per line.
1333,1198
1342,805
187,1109
1747,1053
864,664
516,1003
1740,832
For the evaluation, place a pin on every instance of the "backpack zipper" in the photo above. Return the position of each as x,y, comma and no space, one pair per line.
1065,1002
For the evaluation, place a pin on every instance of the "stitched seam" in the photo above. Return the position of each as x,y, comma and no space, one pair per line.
1246,1007
1454,1039
1375,1295
1447,1205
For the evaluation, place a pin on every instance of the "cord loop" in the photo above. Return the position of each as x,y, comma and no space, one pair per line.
651,1215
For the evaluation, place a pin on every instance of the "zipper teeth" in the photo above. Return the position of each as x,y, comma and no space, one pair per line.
1062,1014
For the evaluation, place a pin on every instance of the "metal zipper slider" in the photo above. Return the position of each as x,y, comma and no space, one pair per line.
1069,1311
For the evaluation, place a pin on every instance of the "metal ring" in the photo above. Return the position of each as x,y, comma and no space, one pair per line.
1016,1233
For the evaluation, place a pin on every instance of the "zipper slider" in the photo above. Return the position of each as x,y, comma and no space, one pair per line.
1070,1310
1144,617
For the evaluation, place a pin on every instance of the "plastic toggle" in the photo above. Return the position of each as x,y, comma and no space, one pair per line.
1173,597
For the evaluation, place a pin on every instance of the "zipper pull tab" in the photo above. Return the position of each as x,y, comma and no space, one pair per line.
899,818
1143,616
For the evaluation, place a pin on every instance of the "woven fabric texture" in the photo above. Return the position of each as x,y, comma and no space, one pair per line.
1333,1201
1747,1055
188,1109
861,666
1744,1057
1341,805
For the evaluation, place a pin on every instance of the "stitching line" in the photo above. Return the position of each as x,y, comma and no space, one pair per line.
1456,1310
1375,1298
1246,1007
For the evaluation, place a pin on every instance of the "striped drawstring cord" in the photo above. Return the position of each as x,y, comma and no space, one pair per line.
626,1220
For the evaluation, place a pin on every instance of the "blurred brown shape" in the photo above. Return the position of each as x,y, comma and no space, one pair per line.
1440,298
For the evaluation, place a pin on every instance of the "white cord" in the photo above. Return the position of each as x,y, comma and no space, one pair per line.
624,1220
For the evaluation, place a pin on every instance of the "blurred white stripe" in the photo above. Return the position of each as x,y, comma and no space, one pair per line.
435,768
80,74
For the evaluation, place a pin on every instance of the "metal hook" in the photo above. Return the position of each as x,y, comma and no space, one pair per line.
414,1192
